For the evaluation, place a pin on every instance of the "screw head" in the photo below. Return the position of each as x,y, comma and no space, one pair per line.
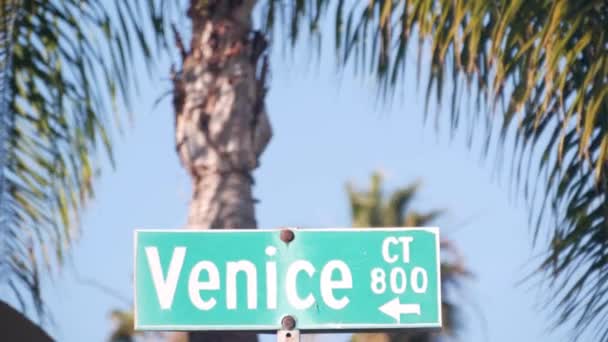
287,235
288,322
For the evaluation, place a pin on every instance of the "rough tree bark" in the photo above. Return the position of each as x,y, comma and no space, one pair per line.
221,123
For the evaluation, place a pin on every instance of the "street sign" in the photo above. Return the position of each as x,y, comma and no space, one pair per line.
327,279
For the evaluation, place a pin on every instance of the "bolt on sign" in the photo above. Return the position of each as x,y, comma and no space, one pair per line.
249,280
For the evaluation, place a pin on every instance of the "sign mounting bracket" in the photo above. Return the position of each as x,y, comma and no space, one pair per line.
288,336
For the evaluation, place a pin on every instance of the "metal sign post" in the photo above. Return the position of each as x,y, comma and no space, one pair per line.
288,336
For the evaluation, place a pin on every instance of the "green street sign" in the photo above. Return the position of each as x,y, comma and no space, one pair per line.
327,279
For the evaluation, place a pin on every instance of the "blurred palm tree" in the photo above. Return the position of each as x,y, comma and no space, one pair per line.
124,329
124,326
370,208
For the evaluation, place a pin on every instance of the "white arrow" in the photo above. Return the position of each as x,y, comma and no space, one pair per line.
395,309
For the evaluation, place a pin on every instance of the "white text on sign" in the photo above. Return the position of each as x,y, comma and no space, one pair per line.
334,275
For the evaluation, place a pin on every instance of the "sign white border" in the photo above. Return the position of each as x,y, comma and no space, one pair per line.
262,327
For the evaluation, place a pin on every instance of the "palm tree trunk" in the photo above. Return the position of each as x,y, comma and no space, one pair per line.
221,123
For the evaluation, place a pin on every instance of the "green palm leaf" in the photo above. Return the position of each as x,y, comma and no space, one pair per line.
65,67
537,68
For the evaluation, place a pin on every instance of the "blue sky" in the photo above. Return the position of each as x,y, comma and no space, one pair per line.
328,130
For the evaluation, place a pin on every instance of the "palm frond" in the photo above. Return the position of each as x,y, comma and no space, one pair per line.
398,203
536,68
7,23
65,68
